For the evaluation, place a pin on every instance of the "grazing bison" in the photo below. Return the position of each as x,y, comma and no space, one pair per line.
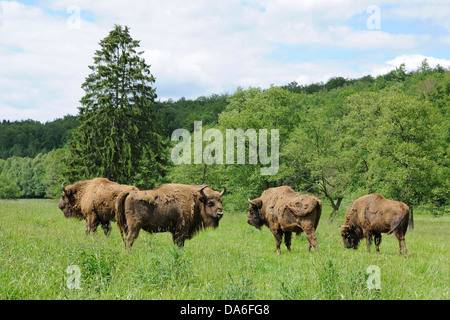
372,215
177,208
92,201
285,211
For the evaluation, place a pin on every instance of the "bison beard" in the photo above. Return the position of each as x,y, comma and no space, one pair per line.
371,215
92,201
285,211
180,209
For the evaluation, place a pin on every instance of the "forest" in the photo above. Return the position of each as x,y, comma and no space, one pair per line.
338,140
28,138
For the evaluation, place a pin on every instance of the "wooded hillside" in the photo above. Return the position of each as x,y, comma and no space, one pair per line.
338,140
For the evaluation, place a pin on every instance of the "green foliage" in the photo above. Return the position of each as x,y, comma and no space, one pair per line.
120,136
28,138
313,158
36,177
338,140
260,109
335,82
247,109
345,141
257,109
8,189
402,142
182,113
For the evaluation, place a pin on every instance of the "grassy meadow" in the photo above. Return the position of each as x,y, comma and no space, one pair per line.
235,261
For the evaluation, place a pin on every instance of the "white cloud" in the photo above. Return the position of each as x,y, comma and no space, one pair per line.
412,62
437,11
195,47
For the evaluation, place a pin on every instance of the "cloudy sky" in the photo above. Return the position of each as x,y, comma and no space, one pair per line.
201,47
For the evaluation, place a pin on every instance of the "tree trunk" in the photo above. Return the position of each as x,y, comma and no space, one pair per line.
335,207
411,217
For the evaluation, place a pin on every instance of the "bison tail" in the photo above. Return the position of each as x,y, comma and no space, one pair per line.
396,225
401,222
120,213
318,212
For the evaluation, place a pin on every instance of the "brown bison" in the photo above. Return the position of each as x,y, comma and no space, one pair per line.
176,208
285,211
92,201
371,215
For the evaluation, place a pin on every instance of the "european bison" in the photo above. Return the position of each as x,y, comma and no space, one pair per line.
285,211
372,215
92,201
177,208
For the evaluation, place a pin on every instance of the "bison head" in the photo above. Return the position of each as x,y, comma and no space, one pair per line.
254,213
66,202
350,236
212,202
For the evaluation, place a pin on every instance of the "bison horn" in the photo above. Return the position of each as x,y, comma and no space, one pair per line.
203,193
223,191
252,203
63,188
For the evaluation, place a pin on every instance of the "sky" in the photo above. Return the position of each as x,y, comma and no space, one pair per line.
203,47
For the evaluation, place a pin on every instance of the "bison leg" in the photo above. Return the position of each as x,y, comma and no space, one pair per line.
90,225
312,240
287,240
401,243
178,240
86,227
132,235
368,236
106,228
278,239
377,238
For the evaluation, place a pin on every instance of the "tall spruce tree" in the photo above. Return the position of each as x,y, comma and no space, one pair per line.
120,136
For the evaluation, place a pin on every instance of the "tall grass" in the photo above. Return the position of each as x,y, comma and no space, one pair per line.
234,261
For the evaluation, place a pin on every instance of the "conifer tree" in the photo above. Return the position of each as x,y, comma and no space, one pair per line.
120,136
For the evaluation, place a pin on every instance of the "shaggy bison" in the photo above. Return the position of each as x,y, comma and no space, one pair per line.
285,211
371,215
177,208
92,201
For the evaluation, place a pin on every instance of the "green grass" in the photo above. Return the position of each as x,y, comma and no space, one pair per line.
235,261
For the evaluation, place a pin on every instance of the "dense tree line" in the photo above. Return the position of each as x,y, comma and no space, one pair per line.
28,138
388,134
183,112
38,177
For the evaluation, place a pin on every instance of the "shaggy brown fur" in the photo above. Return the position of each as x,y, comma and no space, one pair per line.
180,209
371,215
92,201
285,211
